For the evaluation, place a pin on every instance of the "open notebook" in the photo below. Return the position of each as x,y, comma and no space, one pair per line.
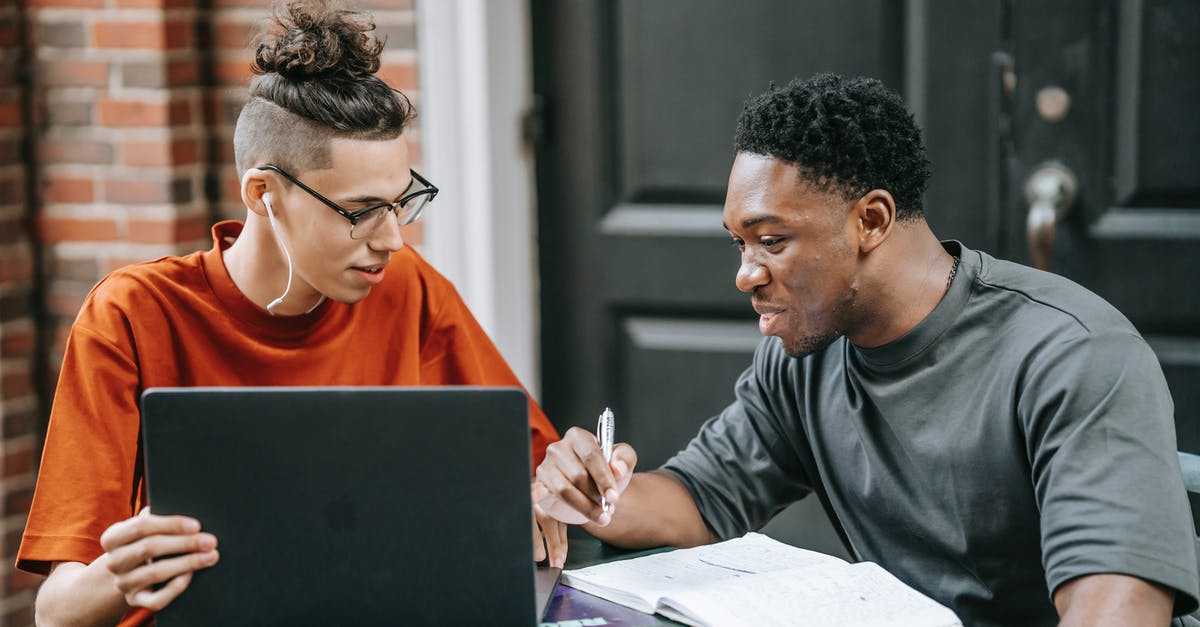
757,581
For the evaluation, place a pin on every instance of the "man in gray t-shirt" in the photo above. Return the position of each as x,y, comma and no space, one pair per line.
995,436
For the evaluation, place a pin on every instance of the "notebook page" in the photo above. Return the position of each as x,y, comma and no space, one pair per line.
859,595
652,576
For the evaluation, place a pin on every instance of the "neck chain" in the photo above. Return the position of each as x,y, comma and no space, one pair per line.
953,271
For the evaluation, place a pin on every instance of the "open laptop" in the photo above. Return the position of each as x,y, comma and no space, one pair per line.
349,506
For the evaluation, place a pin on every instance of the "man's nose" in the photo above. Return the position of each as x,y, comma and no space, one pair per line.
750,275
388,236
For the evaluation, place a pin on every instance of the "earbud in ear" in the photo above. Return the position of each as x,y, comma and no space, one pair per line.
266,198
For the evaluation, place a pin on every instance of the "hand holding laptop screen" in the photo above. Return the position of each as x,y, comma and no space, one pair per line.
153,557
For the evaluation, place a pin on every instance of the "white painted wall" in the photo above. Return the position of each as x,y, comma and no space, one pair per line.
475,88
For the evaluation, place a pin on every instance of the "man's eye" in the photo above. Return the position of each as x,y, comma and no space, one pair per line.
737,243
771,242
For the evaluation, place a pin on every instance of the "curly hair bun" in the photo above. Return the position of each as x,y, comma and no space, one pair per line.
309,39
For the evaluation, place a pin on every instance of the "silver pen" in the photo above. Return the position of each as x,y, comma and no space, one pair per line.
604,434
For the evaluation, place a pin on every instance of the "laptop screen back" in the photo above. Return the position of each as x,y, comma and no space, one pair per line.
365,506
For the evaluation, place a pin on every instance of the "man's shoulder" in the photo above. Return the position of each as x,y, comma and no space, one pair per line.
133,285
1059,302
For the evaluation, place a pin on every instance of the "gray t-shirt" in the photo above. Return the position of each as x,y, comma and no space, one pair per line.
1018,437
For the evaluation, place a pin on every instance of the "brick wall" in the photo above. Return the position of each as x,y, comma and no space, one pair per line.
128,107
19,408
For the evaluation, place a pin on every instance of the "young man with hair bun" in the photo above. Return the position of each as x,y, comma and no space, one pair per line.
315,287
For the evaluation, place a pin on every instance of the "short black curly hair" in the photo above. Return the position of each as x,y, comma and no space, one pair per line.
847,135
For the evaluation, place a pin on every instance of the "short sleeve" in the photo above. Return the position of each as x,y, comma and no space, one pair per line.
1100,427
743,467
89,477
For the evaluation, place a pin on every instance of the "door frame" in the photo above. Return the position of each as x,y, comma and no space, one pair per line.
476,89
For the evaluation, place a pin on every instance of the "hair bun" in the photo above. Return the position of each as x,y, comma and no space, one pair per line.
307,39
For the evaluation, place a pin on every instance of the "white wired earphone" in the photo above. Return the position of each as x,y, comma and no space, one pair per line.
282,246
279,240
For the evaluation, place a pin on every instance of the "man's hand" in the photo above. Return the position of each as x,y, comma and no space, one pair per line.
549,535
147,551
575,474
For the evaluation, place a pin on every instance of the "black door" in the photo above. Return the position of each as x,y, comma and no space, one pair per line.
639,310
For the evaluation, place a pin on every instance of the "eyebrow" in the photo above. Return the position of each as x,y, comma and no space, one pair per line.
366,199
756,220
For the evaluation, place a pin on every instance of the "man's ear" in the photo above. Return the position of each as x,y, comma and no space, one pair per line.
876,215
254,187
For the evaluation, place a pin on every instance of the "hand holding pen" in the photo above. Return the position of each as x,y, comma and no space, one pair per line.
584,474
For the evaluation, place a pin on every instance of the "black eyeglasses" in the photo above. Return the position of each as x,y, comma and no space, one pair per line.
364,222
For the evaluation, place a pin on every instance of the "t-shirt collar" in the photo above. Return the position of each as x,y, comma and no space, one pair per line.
895,353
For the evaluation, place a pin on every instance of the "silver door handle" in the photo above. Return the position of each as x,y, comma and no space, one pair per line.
1050,191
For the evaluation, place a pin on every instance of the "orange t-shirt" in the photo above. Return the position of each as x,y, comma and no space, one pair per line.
181,321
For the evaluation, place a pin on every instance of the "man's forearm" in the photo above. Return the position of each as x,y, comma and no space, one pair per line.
75,594
1112,599
655,510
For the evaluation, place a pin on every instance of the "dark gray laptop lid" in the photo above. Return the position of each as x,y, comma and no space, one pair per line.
363,506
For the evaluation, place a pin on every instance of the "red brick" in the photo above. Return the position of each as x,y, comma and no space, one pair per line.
183,72
142,35
180,112
20,423
18,460
18,500
16,270
52,230
144,191
73,73
231,34
66,189
69,269
402,76
160,153
66,305
256,4
15,385
116,263
8,33
74,151
220,149
234,71
83,4
231,188
10,152
10,114
18,344
122,112
154,4
168,231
